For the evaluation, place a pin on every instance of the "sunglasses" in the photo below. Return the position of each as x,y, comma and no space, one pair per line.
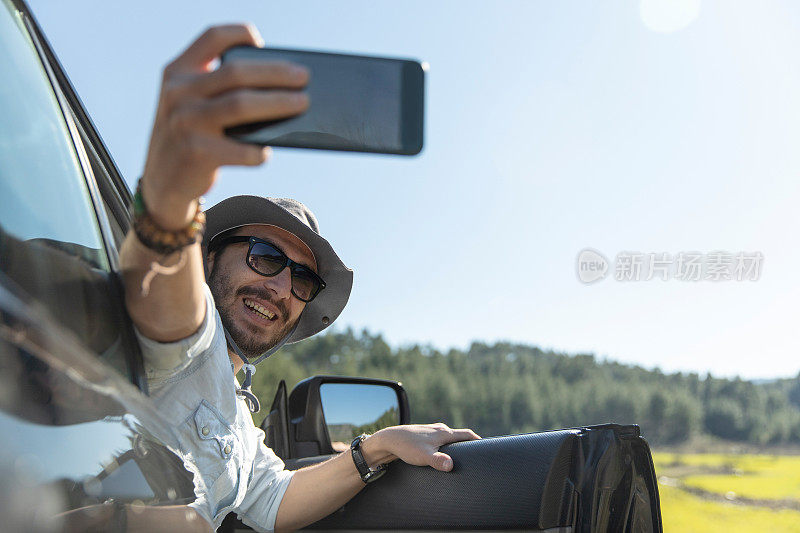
268,260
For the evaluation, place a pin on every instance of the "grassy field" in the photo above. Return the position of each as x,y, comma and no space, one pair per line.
729,492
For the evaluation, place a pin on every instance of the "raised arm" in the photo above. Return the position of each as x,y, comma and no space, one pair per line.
187,147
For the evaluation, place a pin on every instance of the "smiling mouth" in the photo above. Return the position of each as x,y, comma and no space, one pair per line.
259,310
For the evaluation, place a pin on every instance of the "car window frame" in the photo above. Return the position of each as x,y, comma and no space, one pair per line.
108,193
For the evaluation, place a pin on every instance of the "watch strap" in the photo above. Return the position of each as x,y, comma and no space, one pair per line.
367,474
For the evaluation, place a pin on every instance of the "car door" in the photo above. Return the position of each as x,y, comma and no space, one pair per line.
585,479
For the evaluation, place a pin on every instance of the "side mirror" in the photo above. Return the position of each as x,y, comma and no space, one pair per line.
327,412
350,409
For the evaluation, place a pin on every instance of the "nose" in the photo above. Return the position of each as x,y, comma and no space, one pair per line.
280,284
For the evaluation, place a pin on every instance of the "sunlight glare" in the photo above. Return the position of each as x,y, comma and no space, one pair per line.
667,16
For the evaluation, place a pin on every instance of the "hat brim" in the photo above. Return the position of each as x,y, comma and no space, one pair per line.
328,305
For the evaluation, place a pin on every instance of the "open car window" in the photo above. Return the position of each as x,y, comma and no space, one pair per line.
51,243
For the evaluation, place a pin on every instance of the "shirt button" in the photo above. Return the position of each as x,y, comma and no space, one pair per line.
204,431
227,449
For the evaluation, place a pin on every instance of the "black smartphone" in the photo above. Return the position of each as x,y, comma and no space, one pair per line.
358,103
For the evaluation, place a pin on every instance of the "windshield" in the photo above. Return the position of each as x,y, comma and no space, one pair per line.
50,241
35,149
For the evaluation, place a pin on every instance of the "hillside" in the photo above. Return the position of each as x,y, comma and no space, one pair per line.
510,388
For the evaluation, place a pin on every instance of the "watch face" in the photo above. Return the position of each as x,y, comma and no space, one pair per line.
372,475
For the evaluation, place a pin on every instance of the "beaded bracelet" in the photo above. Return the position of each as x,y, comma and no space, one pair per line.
160,240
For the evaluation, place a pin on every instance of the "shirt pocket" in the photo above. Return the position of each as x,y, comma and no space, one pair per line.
213,443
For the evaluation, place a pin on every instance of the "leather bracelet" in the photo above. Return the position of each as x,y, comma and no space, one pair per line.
158,239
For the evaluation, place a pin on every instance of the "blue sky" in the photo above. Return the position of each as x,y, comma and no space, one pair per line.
551,127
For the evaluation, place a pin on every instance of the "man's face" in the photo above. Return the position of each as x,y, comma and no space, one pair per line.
243,296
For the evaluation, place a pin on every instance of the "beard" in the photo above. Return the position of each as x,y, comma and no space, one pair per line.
251,340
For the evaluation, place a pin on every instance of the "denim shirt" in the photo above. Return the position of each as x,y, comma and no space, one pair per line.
192,383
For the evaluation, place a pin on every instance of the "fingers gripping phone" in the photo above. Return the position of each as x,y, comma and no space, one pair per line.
358,103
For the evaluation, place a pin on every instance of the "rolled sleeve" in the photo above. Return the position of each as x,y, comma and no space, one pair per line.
195,374
165,359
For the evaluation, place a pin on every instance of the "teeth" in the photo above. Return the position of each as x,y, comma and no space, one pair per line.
259,309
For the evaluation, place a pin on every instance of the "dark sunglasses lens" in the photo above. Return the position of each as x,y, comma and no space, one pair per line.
305,284
266,259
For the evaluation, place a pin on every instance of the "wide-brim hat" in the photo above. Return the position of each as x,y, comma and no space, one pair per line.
296,218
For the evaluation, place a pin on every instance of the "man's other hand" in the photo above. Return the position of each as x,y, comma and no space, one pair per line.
318,490
414,444
197,102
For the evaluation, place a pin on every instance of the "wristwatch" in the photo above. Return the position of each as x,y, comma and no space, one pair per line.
367,475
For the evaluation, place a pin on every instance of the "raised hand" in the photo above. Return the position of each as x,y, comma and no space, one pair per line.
196,104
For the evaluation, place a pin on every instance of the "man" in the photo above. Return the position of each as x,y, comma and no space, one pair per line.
267,266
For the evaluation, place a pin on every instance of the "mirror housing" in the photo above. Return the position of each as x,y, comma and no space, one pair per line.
308,431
